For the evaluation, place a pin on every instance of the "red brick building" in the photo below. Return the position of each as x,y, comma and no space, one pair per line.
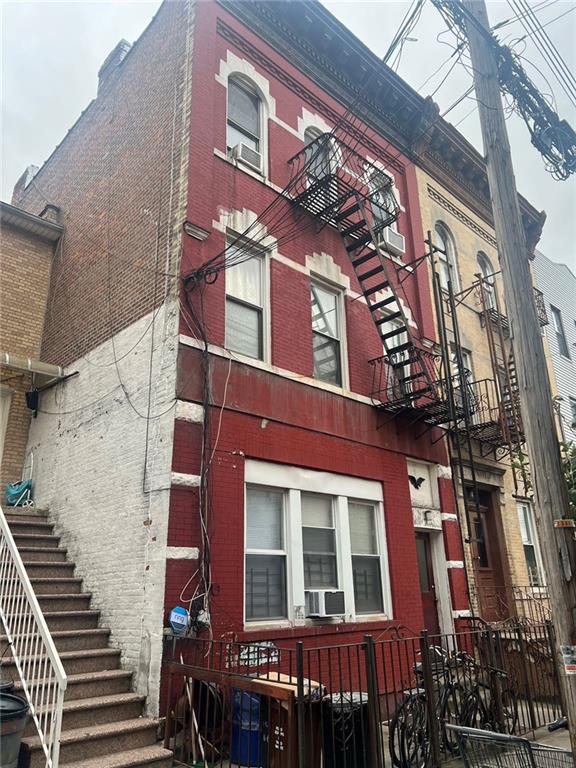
224,444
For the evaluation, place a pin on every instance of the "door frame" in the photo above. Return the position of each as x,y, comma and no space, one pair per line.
440,574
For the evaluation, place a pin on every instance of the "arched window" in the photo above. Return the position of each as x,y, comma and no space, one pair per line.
489,279
317,154
446,259
244,122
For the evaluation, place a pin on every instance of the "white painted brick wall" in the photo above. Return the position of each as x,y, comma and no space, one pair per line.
89,452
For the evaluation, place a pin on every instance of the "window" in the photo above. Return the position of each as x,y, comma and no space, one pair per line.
317,154
326,334
559,331
530,543
446,259
265,555
244,116
488,283
244,304
573,412
312,531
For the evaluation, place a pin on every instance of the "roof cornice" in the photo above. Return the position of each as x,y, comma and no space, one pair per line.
309,36
35,225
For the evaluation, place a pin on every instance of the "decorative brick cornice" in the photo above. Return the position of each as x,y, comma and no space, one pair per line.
461,216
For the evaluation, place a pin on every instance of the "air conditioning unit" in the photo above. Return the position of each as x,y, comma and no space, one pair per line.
394,241
323,602
244,154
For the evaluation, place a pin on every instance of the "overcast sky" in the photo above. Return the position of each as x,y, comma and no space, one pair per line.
51,53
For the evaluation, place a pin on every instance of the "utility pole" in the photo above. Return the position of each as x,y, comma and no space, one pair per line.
551,494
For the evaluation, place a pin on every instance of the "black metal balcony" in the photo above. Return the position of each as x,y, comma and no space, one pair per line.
327,174
496,420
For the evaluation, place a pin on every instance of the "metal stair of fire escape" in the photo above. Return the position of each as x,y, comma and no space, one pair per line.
103,724
405,358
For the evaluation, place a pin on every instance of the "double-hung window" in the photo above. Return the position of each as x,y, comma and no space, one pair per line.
559,331
530,544
245,303
446,258
326,334
265,576
244,116
319,542
365,558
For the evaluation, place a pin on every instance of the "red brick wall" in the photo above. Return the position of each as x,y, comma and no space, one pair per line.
113,177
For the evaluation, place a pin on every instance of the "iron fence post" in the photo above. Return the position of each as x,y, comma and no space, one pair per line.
525,675
431,705
495,682
551,635
373,704
300,704
168,725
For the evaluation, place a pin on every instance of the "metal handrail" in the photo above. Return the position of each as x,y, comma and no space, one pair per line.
33,650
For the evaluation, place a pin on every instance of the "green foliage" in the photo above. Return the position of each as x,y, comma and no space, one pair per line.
568,453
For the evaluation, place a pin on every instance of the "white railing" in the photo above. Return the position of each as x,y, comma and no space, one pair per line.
31,646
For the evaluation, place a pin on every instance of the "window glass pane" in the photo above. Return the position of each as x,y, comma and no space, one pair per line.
559,328
243,329
265,587
318,540
317,158
367,584
264,518
532,565
235,136
525,530
316,510
244,281
320,572
422,556
325,312
362,529
326,359
244,108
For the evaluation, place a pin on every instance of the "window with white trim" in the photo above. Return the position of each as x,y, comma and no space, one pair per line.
447,259
558,326
327,333
244,122
572,401
245,301
530,544
301,539
489,279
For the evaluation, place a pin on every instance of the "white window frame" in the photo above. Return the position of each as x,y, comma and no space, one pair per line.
559,331
249,87
535,543
450,259
294,481
264,256
489,279
341,306
6,395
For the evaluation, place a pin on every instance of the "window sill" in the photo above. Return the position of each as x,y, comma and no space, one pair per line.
321,623
261,177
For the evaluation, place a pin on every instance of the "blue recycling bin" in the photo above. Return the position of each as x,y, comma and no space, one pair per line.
248,730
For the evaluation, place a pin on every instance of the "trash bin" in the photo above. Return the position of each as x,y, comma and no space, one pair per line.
345,727
6,686
247,744
13,715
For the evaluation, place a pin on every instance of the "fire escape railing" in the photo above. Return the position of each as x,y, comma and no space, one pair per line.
33,650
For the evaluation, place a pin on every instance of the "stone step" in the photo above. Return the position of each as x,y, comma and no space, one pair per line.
56,586
42,569
74,640
92,742
43,554
71,602
35,540
80,713
31,527
154,756
61,621
77,662
26,514
89,685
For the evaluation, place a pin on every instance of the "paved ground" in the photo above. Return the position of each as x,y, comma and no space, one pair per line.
542,736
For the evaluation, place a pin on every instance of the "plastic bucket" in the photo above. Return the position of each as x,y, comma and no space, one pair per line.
13,716
6,686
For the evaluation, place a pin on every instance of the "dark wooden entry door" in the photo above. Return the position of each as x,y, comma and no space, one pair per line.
427,587
488,571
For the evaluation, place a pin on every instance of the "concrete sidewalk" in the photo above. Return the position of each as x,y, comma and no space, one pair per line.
559,739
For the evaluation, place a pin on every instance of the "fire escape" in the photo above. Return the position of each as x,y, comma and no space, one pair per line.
338,186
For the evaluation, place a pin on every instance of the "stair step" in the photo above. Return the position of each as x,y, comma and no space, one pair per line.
74,639
67,620
400,348
80,713
28,516
35,540
155,756
344,214
371,273
31,527
363,259
91,742
77,662
359,242
383,303
353,228
390,318
43,554
74,602
88,685
54,585
375,289
392,334
411,377
42,569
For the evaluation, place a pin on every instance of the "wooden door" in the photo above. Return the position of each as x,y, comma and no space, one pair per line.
427,587
488,570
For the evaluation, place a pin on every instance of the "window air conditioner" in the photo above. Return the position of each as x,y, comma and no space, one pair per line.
322,602
394,240
244,154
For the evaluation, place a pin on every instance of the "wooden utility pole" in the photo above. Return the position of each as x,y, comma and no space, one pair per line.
551,494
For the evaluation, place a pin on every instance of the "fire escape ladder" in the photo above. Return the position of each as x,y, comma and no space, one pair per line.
379,288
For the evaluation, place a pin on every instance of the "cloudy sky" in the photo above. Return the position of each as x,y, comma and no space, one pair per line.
51,53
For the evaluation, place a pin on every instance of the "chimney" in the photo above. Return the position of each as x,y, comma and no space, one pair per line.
51,213
22,183
113,60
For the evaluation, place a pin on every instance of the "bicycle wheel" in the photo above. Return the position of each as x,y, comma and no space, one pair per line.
403,723
414,735
451,707
509,710
475,710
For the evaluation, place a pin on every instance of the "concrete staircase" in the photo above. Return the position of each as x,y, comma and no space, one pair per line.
103,724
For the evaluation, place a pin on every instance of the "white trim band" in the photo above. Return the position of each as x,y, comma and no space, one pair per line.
449,516
454,564
192,412
182,553
183,479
